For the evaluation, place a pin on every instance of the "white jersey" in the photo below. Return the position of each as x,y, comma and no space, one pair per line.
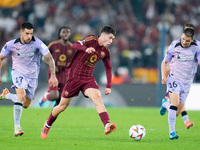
25,57
183,61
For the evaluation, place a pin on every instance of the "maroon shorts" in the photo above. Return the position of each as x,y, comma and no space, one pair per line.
74,86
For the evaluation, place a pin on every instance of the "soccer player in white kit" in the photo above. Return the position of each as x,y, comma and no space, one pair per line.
25,52
183,58
166,99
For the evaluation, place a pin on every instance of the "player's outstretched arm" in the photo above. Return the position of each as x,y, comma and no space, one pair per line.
50,61
79,46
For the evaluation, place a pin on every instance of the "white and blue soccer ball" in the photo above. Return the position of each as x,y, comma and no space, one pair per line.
137,132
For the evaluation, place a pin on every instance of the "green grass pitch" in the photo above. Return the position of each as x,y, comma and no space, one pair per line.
81,129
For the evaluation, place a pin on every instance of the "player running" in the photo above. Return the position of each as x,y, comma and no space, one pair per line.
25,53
90,50
183,59
166,100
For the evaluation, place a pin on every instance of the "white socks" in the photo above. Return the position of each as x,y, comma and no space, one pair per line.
17,112
172,118
185,118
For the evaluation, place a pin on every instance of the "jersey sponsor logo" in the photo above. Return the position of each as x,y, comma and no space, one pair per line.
62,57
185,58
24,55
89,64
93,58
61,63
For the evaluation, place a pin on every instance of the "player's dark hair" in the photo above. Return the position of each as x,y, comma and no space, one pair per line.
189,32
108,30
188,25
26,25
64,27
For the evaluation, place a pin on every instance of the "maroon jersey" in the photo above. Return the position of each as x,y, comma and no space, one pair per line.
62,55
82,65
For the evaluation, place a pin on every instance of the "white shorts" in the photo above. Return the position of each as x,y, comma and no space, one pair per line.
174,86
29,84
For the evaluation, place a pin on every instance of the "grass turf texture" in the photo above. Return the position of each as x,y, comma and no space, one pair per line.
81,129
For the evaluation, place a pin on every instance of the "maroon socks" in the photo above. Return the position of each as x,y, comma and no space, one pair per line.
51,120
104,118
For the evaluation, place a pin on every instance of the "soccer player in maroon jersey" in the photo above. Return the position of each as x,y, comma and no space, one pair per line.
90,50
62,53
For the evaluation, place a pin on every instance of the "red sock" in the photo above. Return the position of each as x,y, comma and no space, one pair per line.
104,118
51,120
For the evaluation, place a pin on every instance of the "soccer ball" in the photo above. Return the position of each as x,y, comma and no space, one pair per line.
137,132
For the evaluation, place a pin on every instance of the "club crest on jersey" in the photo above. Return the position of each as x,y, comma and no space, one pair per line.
102,54
66,93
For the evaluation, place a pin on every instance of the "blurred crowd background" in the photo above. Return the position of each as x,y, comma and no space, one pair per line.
136,50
